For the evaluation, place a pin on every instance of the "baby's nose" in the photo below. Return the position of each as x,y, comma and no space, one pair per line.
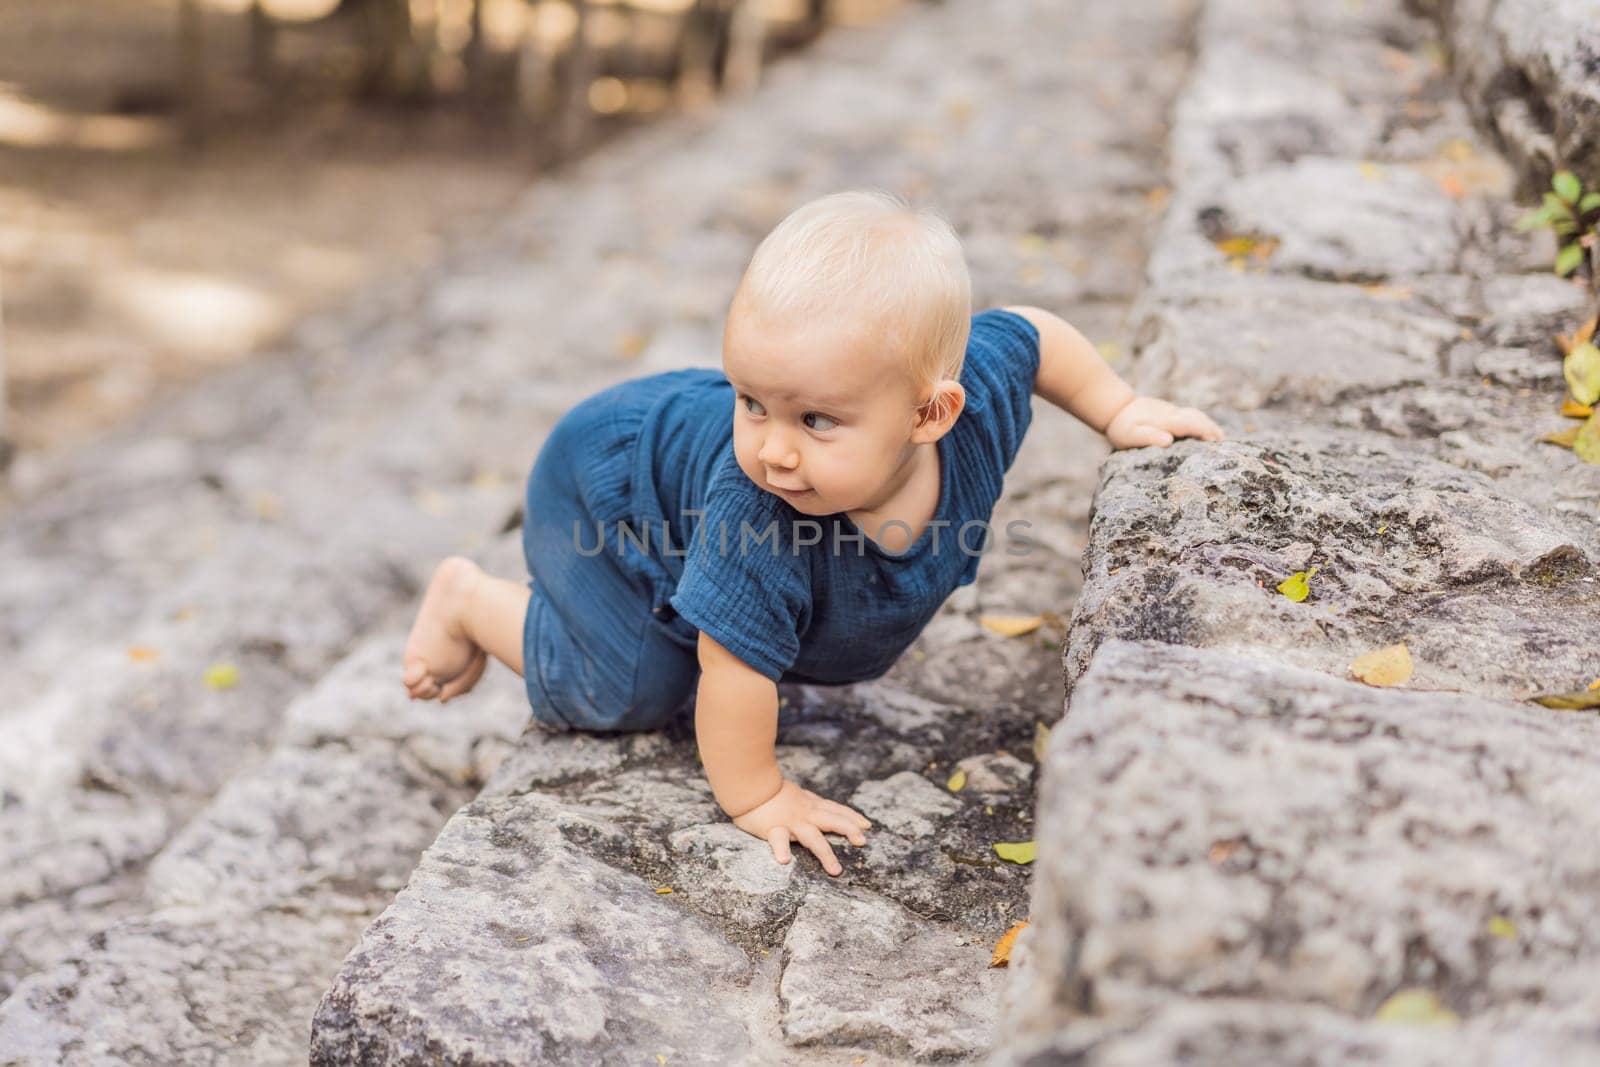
777,454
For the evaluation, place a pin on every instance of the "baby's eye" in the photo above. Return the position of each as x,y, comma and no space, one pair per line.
752,405
810,415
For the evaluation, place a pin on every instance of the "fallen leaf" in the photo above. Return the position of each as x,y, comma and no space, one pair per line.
1578,700
1015,851
222,676
957,781
1041,741
267,506
1419,1007
1587,443
1383,667
1221,850
1502,927
1574,410
988,809
1593,685
1011,625
664,889
1383,529
1564,438
1582,370
143,654
630,344
1002,947
1298,585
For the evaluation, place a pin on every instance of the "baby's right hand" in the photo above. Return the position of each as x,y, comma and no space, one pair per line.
801,815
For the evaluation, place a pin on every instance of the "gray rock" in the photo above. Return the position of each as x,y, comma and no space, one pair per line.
1226,826
995,773
907,803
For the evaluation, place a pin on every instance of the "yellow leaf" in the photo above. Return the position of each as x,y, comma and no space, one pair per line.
1382,529
1564,438
267,506
630,343
988,809
1041,740
957,782
1383,667
1502,927
660,1059
143,654
1574,410
1587,444
1298,585
1031,245
1593,685
1011,625
1236,247
1580,700
1419,1007
1002,947
1582,370
663,889
222,676
1015,851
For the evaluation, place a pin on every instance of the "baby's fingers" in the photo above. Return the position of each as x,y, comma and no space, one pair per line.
848,813
778,838
844,825
812,838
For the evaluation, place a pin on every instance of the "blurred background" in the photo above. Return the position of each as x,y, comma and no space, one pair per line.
180,180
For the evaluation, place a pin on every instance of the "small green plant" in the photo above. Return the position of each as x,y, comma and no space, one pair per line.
1574,215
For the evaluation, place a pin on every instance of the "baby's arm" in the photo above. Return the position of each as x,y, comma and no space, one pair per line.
1075,378
736,725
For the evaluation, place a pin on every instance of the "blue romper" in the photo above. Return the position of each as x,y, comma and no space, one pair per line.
642,530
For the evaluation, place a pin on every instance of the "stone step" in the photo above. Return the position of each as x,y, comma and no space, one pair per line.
241,919
1242,841
535,929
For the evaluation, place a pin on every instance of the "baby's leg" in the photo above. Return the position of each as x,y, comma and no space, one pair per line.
466,616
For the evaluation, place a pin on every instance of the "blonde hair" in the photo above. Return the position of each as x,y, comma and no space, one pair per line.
865,256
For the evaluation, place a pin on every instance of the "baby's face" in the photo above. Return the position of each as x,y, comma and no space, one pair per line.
820,419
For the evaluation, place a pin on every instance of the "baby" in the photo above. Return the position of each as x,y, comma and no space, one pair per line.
708,535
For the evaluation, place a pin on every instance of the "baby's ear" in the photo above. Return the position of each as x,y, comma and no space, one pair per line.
939,412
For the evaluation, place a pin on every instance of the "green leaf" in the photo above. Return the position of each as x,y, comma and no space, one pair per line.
1556,206
1568,258
1015,851
1589,202
1587,444
1532,221
1578,700
1567,186
222,676
1581,367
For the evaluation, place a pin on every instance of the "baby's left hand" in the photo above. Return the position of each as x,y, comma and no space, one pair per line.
1148,421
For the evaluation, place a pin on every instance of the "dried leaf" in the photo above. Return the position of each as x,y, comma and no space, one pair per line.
1571,409
663,890
1578,700
1419,1007
1298,585
1011,625
1587,443
1041,741
957,781
1594,685
1002,947
631,343
143,654
1585,333
1582,370
1383,667
1502,927
1015,851
222,676
1563,438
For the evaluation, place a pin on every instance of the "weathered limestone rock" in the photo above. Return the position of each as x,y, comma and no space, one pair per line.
1188,547
1229,827
1530,70
1243,853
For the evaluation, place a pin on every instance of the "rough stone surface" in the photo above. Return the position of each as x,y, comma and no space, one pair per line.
1244,853
1530,70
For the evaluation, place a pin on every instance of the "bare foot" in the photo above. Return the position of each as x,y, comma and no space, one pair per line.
441,661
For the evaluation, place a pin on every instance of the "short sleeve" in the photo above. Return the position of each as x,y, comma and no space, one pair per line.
743,582
1002,362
